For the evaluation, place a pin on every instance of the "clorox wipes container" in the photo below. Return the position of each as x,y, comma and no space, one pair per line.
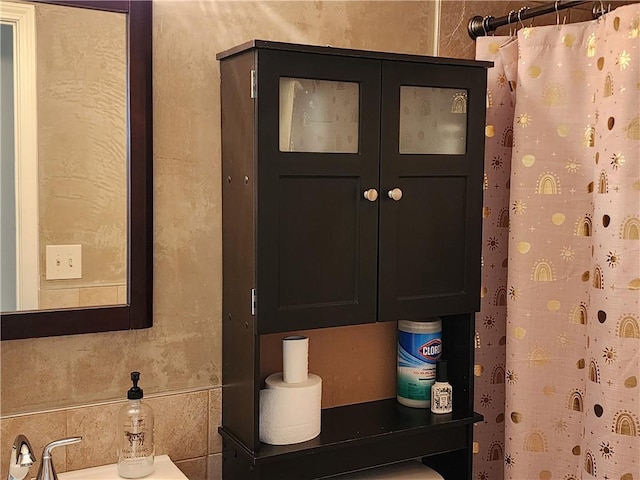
419,347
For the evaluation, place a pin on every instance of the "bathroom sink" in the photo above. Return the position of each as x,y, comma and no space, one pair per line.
164,469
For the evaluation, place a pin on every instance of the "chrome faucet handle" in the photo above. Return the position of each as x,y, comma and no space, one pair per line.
46,470
21,458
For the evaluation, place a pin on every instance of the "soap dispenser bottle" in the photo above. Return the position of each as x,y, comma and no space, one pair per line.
135,434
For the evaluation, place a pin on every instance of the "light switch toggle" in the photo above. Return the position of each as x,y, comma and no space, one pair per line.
63,262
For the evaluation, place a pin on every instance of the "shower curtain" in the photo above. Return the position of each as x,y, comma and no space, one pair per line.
572,284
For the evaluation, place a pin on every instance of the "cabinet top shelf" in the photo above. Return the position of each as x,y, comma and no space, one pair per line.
345,52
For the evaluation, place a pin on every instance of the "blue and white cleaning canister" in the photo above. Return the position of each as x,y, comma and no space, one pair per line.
419,348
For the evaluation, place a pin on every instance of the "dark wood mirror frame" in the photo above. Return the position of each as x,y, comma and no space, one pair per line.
137,313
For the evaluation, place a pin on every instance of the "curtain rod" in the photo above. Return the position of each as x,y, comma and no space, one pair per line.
479,26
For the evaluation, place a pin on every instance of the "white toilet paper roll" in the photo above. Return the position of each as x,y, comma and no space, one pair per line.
290,412
295,359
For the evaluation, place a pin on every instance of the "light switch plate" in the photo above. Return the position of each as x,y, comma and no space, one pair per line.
63,262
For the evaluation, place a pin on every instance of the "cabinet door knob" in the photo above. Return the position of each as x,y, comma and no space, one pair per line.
371,194
395,194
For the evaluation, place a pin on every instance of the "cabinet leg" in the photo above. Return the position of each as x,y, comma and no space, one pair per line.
235,466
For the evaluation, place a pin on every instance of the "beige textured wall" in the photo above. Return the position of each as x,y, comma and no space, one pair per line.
82,154
180,357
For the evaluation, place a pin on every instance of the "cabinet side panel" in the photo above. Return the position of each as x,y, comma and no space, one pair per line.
458,349
477,114
240,349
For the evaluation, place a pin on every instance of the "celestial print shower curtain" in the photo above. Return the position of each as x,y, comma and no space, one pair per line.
488,462
572,407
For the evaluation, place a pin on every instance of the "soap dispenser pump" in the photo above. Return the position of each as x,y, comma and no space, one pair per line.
135,434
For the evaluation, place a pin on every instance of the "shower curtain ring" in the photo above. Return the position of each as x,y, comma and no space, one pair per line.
601,12
511,33
564,20
520,14
509,22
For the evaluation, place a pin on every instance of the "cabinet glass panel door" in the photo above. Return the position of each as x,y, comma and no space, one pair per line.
431,164
433,120
318,116
318,151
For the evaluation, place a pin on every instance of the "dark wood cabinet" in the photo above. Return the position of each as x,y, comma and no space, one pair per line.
352,192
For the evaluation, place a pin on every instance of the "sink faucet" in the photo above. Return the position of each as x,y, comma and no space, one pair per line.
21,458
46,471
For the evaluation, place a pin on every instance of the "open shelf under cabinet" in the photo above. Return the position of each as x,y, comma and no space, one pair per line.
354,437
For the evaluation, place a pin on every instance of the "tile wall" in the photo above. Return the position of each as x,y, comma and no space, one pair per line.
186,429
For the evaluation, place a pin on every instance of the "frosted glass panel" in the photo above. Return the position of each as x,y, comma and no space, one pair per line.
433,120
318,116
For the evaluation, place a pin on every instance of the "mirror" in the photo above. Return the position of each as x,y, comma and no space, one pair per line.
125,174
67,170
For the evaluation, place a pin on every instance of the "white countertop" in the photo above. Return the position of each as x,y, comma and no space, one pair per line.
163,469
